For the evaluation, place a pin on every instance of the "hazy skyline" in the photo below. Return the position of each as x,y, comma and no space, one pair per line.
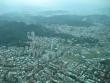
40,5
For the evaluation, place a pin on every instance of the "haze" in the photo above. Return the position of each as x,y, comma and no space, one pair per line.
76,6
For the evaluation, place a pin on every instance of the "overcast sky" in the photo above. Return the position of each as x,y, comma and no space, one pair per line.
71,5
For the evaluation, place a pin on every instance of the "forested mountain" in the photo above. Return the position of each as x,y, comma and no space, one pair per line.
73,20
15,28
12,32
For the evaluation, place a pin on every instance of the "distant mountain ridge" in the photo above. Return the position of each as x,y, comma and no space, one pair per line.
13,28
74,20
